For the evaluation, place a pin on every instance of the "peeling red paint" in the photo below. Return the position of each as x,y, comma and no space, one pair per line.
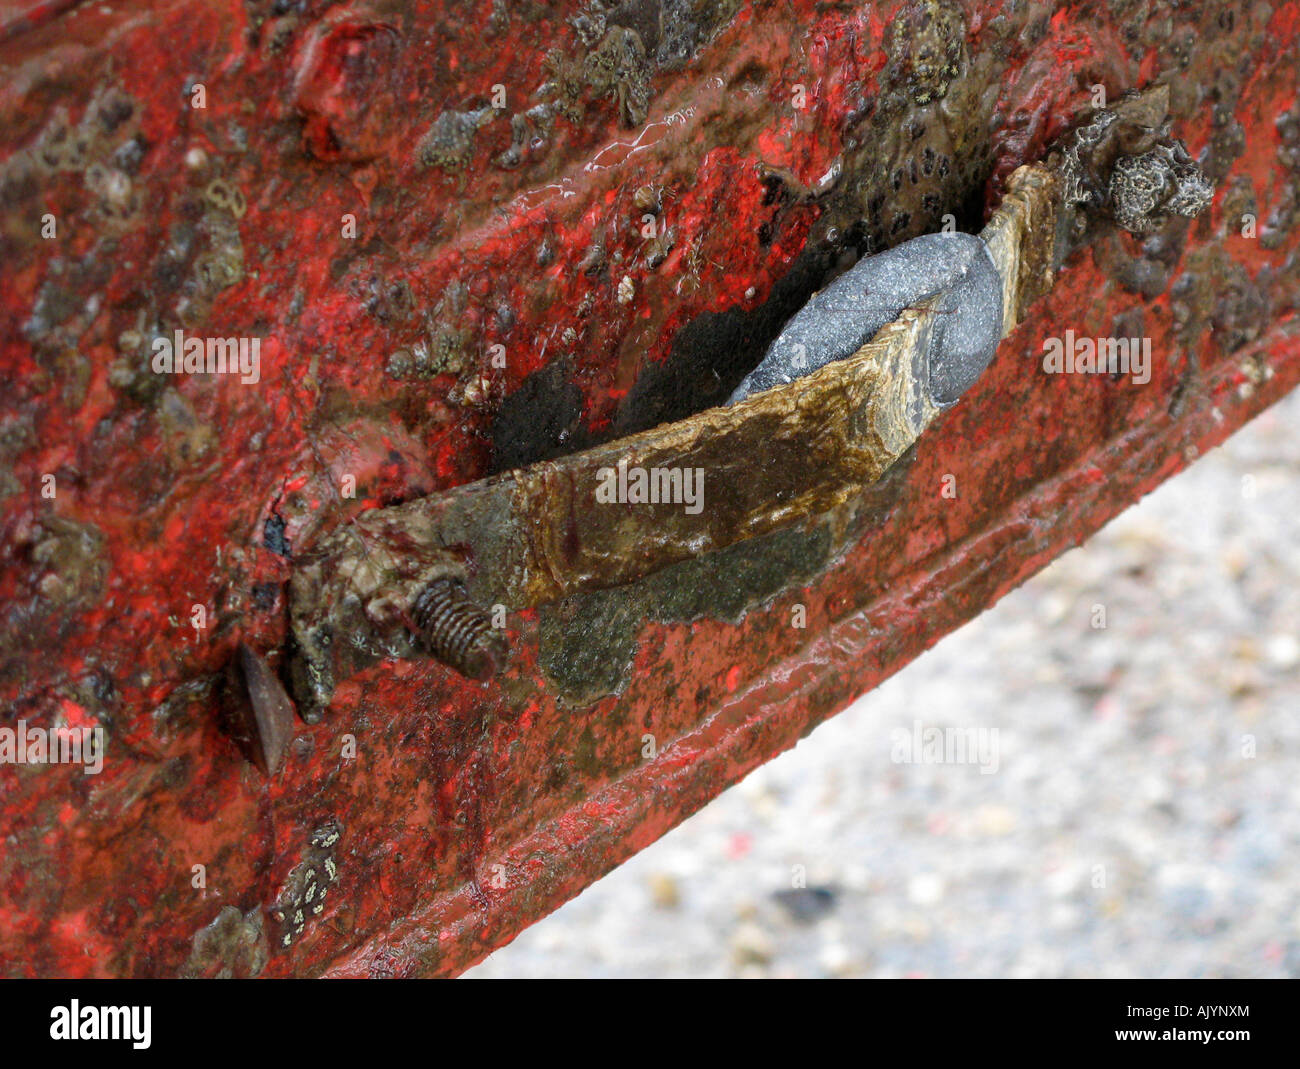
320,116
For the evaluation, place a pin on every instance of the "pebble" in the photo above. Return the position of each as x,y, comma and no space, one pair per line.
925,889
1283,651
751,945
664,891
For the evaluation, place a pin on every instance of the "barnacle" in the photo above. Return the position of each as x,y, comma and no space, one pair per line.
221,194
214,271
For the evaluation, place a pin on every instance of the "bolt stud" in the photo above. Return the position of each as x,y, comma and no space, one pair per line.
457,631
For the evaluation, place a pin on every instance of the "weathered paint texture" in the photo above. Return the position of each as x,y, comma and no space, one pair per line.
357,194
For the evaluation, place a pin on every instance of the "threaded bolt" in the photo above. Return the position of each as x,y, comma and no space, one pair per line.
457,631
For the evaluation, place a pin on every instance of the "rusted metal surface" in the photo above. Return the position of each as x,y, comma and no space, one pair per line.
453,812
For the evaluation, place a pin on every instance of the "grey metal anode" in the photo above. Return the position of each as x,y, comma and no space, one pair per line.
845,315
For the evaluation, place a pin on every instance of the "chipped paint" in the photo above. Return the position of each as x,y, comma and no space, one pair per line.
448,776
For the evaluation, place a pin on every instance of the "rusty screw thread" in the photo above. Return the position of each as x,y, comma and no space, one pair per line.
457,631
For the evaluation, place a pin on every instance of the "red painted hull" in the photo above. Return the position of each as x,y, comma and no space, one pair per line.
469,810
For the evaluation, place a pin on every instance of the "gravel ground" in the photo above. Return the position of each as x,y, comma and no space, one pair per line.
1143,819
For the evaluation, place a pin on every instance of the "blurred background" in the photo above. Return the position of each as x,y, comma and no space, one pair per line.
1143,819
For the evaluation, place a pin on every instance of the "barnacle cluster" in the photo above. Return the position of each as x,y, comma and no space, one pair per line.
618,67
303,896
105,148
926,43
918,154
1124,162
1146,189
449,144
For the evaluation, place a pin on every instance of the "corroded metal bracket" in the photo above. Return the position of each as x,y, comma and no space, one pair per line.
779,456
537,534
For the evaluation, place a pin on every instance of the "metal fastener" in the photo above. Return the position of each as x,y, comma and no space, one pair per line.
457,631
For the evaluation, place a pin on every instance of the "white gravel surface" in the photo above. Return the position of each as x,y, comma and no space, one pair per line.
1127,830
